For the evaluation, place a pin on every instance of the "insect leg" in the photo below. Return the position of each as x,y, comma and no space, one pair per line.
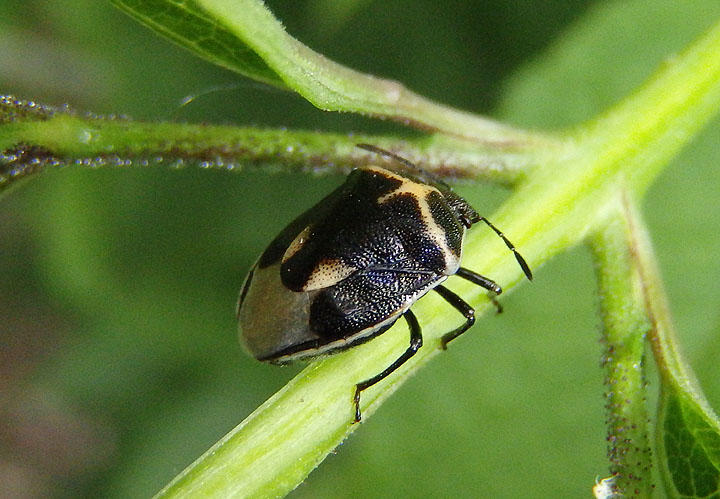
483,282
416,342
461,307
523,264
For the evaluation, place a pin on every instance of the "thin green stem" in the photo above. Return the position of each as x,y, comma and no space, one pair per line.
34,138
625,325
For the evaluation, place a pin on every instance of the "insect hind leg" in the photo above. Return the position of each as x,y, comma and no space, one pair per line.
416,341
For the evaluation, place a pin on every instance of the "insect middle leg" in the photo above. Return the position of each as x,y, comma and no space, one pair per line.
416,342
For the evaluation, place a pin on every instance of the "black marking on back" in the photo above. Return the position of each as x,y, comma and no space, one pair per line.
317,214
366,299
356,230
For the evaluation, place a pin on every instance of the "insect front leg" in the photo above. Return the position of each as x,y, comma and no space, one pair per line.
483,282
461,306
416,342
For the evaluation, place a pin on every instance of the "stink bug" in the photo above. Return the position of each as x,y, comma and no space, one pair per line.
344,271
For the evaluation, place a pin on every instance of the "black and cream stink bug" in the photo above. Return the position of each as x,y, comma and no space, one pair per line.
344,271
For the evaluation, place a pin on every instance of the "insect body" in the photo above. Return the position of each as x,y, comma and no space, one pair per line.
347,269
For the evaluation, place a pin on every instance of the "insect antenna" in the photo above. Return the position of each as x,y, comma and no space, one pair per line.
521,261
400,159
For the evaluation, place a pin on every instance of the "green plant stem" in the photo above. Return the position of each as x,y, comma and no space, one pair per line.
58,138
560,203
625,325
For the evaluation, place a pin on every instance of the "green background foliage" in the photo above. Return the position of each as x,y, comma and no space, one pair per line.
117,339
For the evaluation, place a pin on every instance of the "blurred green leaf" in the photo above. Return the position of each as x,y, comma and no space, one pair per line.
690,440
600,58
187,24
